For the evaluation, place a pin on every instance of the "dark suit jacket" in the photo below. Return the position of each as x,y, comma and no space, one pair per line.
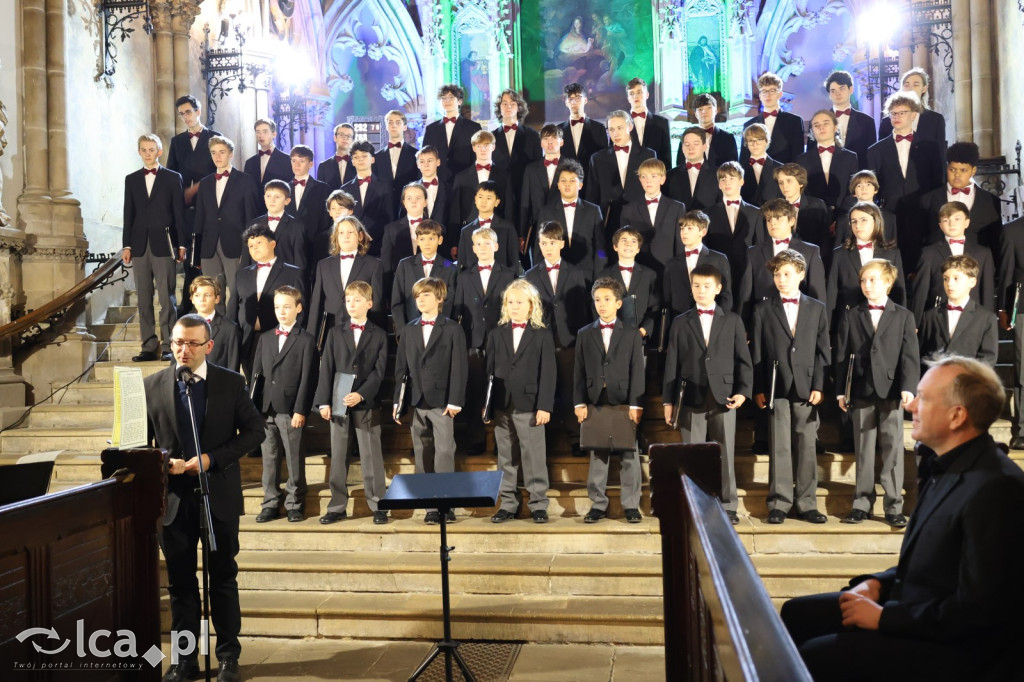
290,237
278,168
367,362
442,201
787,137
721,367
313,215
410,271
834,192
976,334
193,165
508,244
886,360
986,216
289,375
802,357
925,171
641,306
620,370
438,372
407,171
458,155
523,378
231,427
586,249
931,126
1011,264
604,186
656,137
480,311
396,245
462,207
928,282
812,225
705,192
329,174
844,280
860,134
247,308
226,222
678,297
593,138
661,239
758,283
757,193
146,216
534,195
525,150
227,343
721,149
566,309
329,290
734,241
375,212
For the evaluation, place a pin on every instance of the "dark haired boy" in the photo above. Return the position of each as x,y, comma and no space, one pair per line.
539,181
813,217
452,135
693,180
395,163
759,184
462,210
372,195
427,263
785,130
641,297
583,135
336,170
656,218
289,233
269,162
677,294
309,204
960,326
982,206
437,181
649,130
856,129
734,225
488,204
516,145
721,145
581,220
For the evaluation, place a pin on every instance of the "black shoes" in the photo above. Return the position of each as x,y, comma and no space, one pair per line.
228,671
380,517
166,356
539,516
450,516
502,515
268,514
1017,443
333,517
776,516
733,518
812,516
896,520
594,515
146,356
294,515
856,516
633,515
180,672
432,518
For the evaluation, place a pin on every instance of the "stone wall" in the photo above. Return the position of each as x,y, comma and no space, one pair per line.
1008,37
11,176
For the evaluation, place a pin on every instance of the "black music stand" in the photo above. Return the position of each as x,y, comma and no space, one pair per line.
443,492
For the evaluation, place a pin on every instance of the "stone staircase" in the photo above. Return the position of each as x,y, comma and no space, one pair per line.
561,582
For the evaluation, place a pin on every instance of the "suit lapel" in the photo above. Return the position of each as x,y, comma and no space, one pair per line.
780,313
698,330
886,319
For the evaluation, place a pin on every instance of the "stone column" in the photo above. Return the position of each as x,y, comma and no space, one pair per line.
163,74
984,117
963,70
183,14
33,120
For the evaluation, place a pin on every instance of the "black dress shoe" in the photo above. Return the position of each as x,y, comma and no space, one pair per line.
733,518
180,672
594,515
166,356
450,516
539,516
502,515
332,517
633,515
145,356
812,516
295,515
267,515
432,518
896,520
776,516
380,517
229,671
856,516
1017,443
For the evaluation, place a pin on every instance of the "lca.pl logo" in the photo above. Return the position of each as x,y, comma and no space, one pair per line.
99,645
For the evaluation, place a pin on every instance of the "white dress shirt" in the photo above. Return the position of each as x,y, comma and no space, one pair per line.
705,322
517,336
792,311
876,315
954,315
652,209
346,267
956,249
867,253
966,199
570,219
299,191
222,182
903,152
281,338
553,274
262,273
150,179
622,158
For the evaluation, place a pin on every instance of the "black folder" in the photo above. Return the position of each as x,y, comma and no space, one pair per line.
256,390
403,396
342,387
608,428
488,413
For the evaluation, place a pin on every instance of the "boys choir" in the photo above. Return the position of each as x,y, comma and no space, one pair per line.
753,270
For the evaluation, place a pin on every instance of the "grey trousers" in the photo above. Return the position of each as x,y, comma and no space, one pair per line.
433,441
794,427
155,273
283,439
629,479
878,423
717,423
223,269
366,424
521,444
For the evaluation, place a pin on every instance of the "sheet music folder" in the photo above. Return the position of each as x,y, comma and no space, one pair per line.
447,490
608,428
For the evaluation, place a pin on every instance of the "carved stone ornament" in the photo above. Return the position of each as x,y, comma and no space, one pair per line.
58,254
5,220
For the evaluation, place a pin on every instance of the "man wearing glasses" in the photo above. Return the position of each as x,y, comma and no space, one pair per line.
785,130
583,136
337,170
228,426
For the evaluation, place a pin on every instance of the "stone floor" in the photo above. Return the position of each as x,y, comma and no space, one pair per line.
308,660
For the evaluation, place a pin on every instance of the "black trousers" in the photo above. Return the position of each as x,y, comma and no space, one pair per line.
179,542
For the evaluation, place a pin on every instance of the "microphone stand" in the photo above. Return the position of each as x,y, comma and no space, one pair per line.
205,523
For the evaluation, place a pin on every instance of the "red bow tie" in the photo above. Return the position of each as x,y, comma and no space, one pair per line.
771,113
620,149
610,325
449,119
796,204
692,165
484,221
577,121
757,161
432,183
692,252
830,150
360,327
701,311
346,158
955,308
223,175
876,307
908,138
571,204
347,255
638,114
844,112
415,221
781,241
957,241
556,266
480,167
794,301
623,268
152,171
364,181
653,201
266,153
394,145
426,323
551,162
427,262
280,332
481,268
952,190
710,131
517,325
732,203
273,218
209,320
514,126
263,265
195,135
296,182
869,245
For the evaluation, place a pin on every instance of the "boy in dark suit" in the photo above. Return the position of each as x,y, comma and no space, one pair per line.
863,187
289,233
676,284
372,195
337,170
649,129
439,191
400,236
785,130
930,125
693,180
563,289
521,362
452,135
581,219
721,145
707,349
1011,307
151,241
734,225
880,337
269,162
190,150
856,129
432,357
225,204
656,218
488,203
790,349
985,213
225,334
813,217
395,164
359,348
759,184
349,262
829,166
583,136
639,283
954,220
612,179
463,204
610,371
478,306
516,145
287,360
539,182
427,263
961,327
309,203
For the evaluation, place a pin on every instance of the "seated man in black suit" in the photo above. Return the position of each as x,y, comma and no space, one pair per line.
785,130
269,162
693,181
338,169
721,145
856,129
985,214
949,609
452,135
583,136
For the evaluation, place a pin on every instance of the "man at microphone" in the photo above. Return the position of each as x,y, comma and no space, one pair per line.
228,426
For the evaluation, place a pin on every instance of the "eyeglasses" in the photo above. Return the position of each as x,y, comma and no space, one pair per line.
194,345
899,114
183,114
769,91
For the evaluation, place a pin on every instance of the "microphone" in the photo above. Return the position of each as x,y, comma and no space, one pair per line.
186,375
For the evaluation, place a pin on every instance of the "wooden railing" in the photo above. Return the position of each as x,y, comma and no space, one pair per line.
719,620
81,566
